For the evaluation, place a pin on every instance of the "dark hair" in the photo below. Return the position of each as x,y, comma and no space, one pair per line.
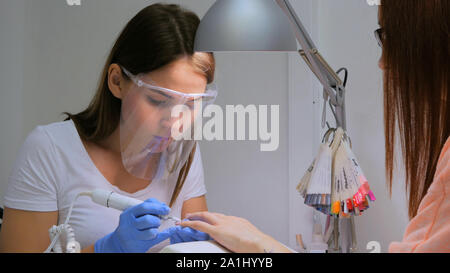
416,50
158,35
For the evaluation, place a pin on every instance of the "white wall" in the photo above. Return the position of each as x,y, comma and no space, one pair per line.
51,56
242,180
304,120
11,78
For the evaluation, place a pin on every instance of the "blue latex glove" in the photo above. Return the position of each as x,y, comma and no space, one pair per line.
186,234
137,231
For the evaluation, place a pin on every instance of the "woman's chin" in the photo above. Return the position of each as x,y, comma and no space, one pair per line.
162,145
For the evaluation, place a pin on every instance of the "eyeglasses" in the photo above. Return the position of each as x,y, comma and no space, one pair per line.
167,98
379,35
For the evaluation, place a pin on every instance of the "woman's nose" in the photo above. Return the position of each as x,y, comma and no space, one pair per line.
176,120
168,123
381,64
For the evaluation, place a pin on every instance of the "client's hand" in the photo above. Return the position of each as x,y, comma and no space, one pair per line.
234,233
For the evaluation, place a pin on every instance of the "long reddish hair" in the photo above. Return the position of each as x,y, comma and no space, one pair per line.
416,57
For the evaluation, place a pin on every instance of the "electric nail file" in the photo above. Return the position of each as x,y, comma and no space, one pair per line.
114,200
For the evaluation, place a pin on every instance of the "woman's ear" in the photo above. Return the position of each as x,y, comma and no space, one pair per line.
116,81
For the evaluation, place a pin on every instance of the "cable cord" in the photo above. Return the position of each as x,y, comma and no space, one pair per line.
333,111
71,244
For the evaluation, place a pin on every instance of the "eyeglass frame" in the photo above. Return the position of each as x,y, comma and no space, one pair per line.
209,93
379,36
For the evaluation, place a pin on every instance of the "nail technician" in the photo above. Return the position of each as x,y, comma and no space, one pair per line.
122,142
414,36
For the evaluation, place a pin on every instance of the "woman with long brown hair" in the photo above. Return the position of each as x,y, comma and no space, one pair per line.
414,36
120,143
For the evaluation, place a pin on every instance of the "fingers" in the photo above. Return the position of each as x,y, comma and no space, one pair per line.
154,235
154,200
147,234
176,238
164,235
187,234
210,217
192,235
150,206
146,222
200,226
196,234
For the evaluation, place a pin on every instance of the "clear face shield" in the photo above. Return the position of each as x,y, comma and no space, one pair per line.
157,127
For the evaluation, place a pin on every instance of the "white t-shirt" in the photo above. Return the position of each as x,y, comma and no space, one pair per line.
53,166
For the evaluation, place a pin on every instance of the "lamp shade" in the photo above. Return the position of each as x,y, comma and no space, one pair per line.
245,25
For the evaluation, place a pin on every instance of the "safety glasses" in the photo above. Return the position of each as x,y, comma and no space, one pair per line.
164,97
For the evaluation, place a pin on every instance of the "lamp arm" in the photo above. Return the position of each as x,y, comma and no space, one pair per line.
332,83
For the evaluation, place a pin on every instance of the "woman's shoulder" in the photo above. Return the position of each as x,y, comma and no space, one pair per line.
44,151
428,231
445,154
442,175
57,129
45,142
50,134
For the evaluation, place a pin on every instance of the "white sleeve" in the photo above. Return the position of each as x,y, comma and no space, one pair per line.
194,185
33,179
